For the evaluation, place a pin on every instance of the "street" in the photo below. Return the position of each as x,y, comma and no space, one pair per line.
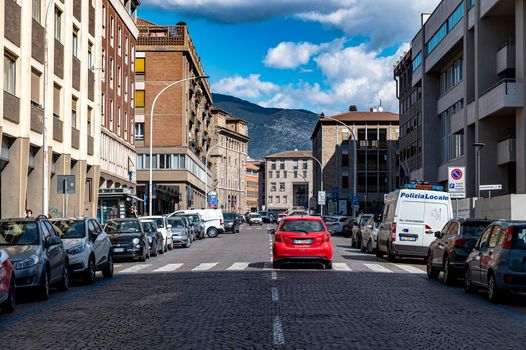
223,294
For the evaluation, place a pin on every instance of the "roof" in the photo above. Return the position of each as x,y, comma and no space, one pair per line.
291,154
251,166
364,117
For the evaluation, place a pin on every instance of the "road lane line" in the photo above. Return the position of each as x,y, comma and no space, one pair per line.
275,295
135,268
274,275
115,266
238,266
267,265
279,338
378,268
168,268
410,269
341,267
204,266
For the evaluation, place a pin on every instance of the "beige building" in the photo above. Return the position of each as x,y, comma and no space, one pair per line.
71,97
252,184
228,161
288,181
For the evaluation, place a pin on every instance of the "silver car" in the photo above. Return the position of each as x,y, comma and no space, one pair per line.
180,234
370,236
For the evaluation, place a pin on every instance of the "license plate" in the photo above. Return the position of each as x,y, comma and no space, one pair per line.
119,250
302,241
404,238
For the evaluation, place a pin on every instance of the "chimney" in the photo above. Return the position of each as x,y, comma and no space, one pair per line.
353,108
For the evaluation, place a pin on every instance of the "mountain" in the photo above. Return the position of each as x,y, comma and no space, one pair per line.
271,130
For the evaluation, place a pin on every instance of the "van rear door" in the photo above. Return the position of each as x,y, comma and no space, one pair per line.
409,226
437,213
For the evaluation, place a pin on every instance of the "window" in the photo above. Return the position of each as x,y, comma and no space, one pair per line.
273,165
90,119
37,10
111,73
282,164
90,56
126,125
139,131
119,40
57,93
139,98
35,87
103,20
277,199
345,160
58,24
284,174
74,113
119,79
126,49
273,186
270,174
295,174
75,43
452,143
139,65
305,173
103,65
295,164
285,199
111,115
10,74
282,186
269,199
441,33
118,120
277,174
112,31
417,61
495,236
126,87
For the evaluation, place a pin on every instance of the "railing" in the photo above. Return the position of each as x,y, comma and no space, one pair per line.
503,81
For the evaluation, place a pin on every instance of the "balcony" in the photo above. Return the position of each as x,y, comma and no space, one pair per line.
496,8
75,138
506,58
501,98
90,145
506,151
58,129
37,115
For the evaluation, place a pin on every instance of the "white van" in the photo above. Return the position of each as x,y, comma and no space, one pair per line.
213,220
411,217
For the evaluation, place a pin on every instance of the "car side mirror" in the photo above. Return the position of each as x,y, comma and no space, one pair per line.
271,231
437,234
54,241
169,226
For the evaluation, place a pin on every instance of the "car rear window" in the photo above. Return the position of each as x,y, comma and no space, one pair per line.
228,216
176,223
70,228
117,227
302,226
473,229
519,239
18,233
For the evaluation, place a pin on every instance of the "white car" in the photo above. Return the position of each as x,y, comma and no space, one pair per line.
212,219
88,246
254,219
370,236
335,223
165,229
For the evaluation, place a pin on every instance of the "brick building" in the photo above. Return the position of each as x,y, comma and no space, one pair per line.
181,134
252,184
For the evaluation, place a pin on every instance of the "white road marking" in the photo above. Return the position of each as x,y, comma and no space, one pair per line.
275,295
204,267
279,338
115,266
378,268
274,275
135,268
341,267
410,269
239,266
168,268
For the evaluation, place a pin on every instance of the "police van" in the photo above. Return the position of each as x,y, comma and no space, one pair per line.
411,217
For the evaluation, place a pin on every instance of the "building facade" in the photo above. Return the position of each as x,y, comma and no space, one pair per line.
252,181
288,181
228,160
376,163
468,62
68,98
181,122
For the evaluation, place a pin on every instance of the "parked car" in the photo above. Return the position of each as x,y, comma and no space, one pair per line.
88,246
189,227
335,223
128,239
265,216
7,283
180,233
232,222
280,217
358,226
411,217
199,226
452,246
37,254
370,235
212,219
347,227
302,239
498,260
162,226
155,238
255,219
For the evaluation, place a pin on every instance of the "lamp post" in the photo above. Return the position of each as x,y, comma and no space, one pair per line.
321,182
355,154
150,189
206,167
478,147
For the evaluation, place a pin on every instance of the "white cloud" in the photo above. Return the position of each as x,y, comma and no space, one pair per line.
291,55
251,87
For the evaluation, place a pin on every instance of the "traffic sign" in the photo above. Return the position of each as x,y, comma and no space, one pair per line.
457,182
490,187
212,199
355,201
321,197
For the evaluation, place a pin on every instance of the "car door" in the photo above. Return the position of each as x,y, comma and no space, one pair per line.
437,247
97,241
55,253
480,247
488,254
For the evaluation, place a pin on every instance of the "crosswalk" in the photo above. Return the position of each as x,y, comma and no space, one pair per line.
357,267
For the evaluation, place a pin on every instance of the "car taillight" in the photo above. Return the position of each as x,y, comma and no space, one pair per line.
279,238
459,242
220,221
326,238
393,232
508,239
428,228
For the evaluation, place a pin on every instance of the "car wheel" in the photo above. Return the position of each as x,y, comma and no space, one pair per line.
64,283
90,273
449,273
147,253
107,272
432,273
43,288
494,293
187,245
154,249
369,248
165,247
143,256
9,304
468,284
171,246
328,265
379,253
353,242
362,247
390,256
212,232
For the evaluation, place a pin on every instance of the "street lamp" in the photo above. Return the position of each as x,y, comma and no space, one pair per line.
355,153
321,182
206,167
150,190
478,147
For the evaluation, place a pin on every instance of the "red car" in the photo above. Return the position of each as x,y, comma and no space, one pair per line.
7,283
302,239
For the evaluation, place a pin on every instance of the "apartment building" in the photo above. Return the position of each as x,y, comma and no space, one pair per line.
119,34
376,163
228,160
181,120
468,63
68,98
288,181
252,181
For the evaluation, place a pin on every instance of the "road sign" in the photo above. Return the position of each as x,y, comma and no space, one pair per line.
321,197
457,182
355,201
490,187
212,199
66,184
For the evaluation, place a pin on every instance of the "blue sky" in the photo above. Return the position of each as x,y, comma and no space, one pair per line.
321,55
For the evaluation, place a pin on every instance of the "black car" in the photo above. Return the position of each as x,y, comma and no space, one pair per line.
128,239
452,247
37,253
231,223
155,237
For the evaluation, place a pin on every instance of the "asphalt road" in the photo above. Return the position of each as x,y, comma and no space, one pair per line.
223,294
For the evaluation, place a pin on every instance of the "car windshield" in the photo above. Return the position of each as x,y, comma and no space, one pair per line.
177,223
255,216
302,226
331,219
194,218
364,220
262,213
473,229
519,241
117,227
159,222
229,216
70,228
147,226
18,233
